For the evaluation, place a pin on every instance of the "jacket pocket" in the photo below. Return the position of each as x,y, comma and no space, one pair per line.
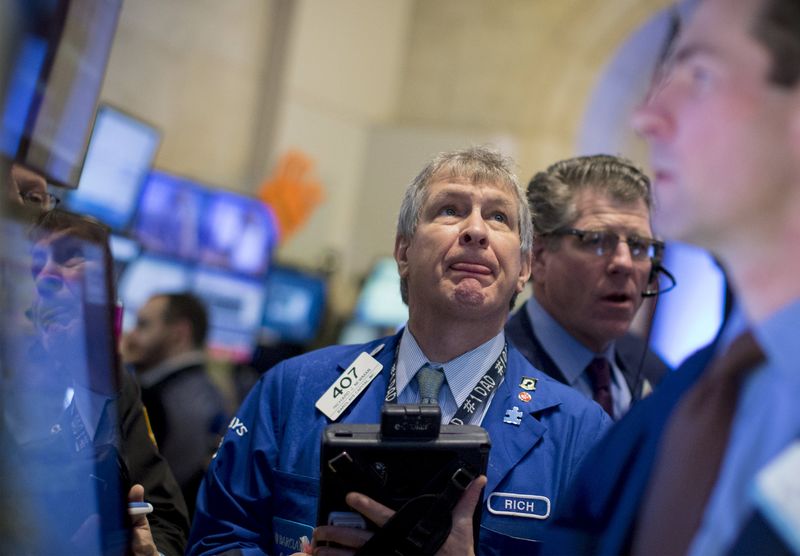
295,497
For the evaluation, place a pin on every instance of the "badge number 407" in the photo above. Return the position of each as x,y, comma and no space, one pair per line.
348,386
345,382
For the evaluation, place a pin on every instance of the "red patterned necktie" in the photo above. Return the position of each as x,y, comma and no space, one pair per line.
599,372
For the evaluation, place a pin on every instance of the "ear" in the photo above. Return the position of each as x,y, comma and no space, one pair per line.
538,260
401,255
182,333
524,271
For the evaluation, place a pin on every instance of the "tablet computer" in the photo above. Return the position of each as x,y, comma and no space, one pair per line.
409,455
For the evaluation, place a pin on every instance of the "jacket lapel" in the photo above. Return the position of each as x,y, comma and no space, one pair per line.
520,332
510,442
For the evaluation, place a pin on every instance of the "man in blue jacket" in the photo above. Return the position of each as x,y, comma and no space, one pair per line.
463,252
708,464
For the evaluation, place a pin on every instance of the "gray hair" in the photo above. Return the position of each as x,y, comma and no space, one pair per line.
551,194
475,165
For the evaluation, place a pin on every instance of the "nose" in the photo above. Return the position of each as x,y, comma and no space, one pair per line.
622,261
650,120
649,123
474,231
49,279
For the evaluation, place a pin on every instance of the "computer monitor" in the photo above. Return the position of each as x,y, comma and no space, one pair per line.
147,276
60,60
235,304
294,306
121,152
379,303
124,251
237,233
169,214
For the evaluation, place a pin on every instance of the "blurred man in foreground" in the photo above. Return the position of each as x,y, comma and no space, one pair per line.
708,464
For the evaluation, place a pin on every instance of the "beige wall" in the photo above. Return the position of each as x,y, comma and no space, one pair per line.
193,68
367,88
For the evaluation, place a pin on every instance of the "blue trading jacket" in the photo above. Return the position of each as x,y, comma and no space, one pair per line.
260,493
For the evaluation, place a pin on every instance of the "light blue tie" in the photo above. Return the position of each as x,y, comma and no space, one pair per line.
429,380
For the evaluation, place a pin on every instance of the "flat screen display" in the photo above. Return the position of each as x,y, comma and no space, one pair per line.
168,218
379,303
295,305
59,66
235,304
119,159
180,217
237,232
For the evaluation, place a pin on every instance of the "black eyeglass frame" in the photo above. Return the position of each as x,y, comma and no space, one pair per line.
607,241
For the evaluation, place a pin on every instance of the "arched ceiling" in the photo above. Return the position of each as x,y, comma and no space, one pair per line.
525,67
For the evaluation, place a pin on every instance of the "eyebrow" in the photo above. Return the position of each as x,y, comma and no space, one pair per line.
683,52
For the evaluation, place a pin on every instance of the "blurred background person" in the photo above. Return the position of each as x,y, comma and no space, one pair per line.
186,410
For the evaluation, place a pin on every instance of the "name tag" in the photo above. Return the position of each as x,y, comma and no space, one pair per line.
289,536
777,494
519,505
348,386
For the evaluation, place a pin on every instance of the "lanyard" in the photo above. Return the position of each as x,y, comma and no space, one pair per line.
476,400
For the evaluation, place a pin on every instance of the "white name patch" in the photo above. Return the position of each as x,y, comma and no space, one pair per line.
519,505
777,494
348,386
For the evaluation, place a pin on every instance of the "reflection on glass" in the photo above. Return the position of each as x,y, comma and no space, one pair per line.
60,437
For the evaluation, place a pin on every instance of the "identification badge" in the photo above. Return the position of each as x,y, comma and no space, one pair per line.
289,536
530,506
348,386
777,495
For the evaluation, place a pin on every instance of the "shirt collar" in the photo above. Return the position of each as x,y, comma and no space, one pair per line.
89,405
569,355
777,336
460,372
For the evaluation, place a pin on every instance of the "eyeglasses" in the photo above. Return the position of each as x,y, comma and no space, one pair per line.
41,201
602,243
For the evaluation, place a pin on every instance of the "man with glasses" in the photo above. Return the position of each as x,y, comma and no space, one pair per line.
593,260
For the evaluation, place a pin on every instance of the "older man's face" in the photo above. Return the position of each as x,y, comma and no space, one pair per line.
464,259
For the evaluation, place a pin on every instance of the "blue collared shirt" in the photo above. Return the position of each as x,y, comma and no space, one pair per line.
767,420
572,357
461,374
